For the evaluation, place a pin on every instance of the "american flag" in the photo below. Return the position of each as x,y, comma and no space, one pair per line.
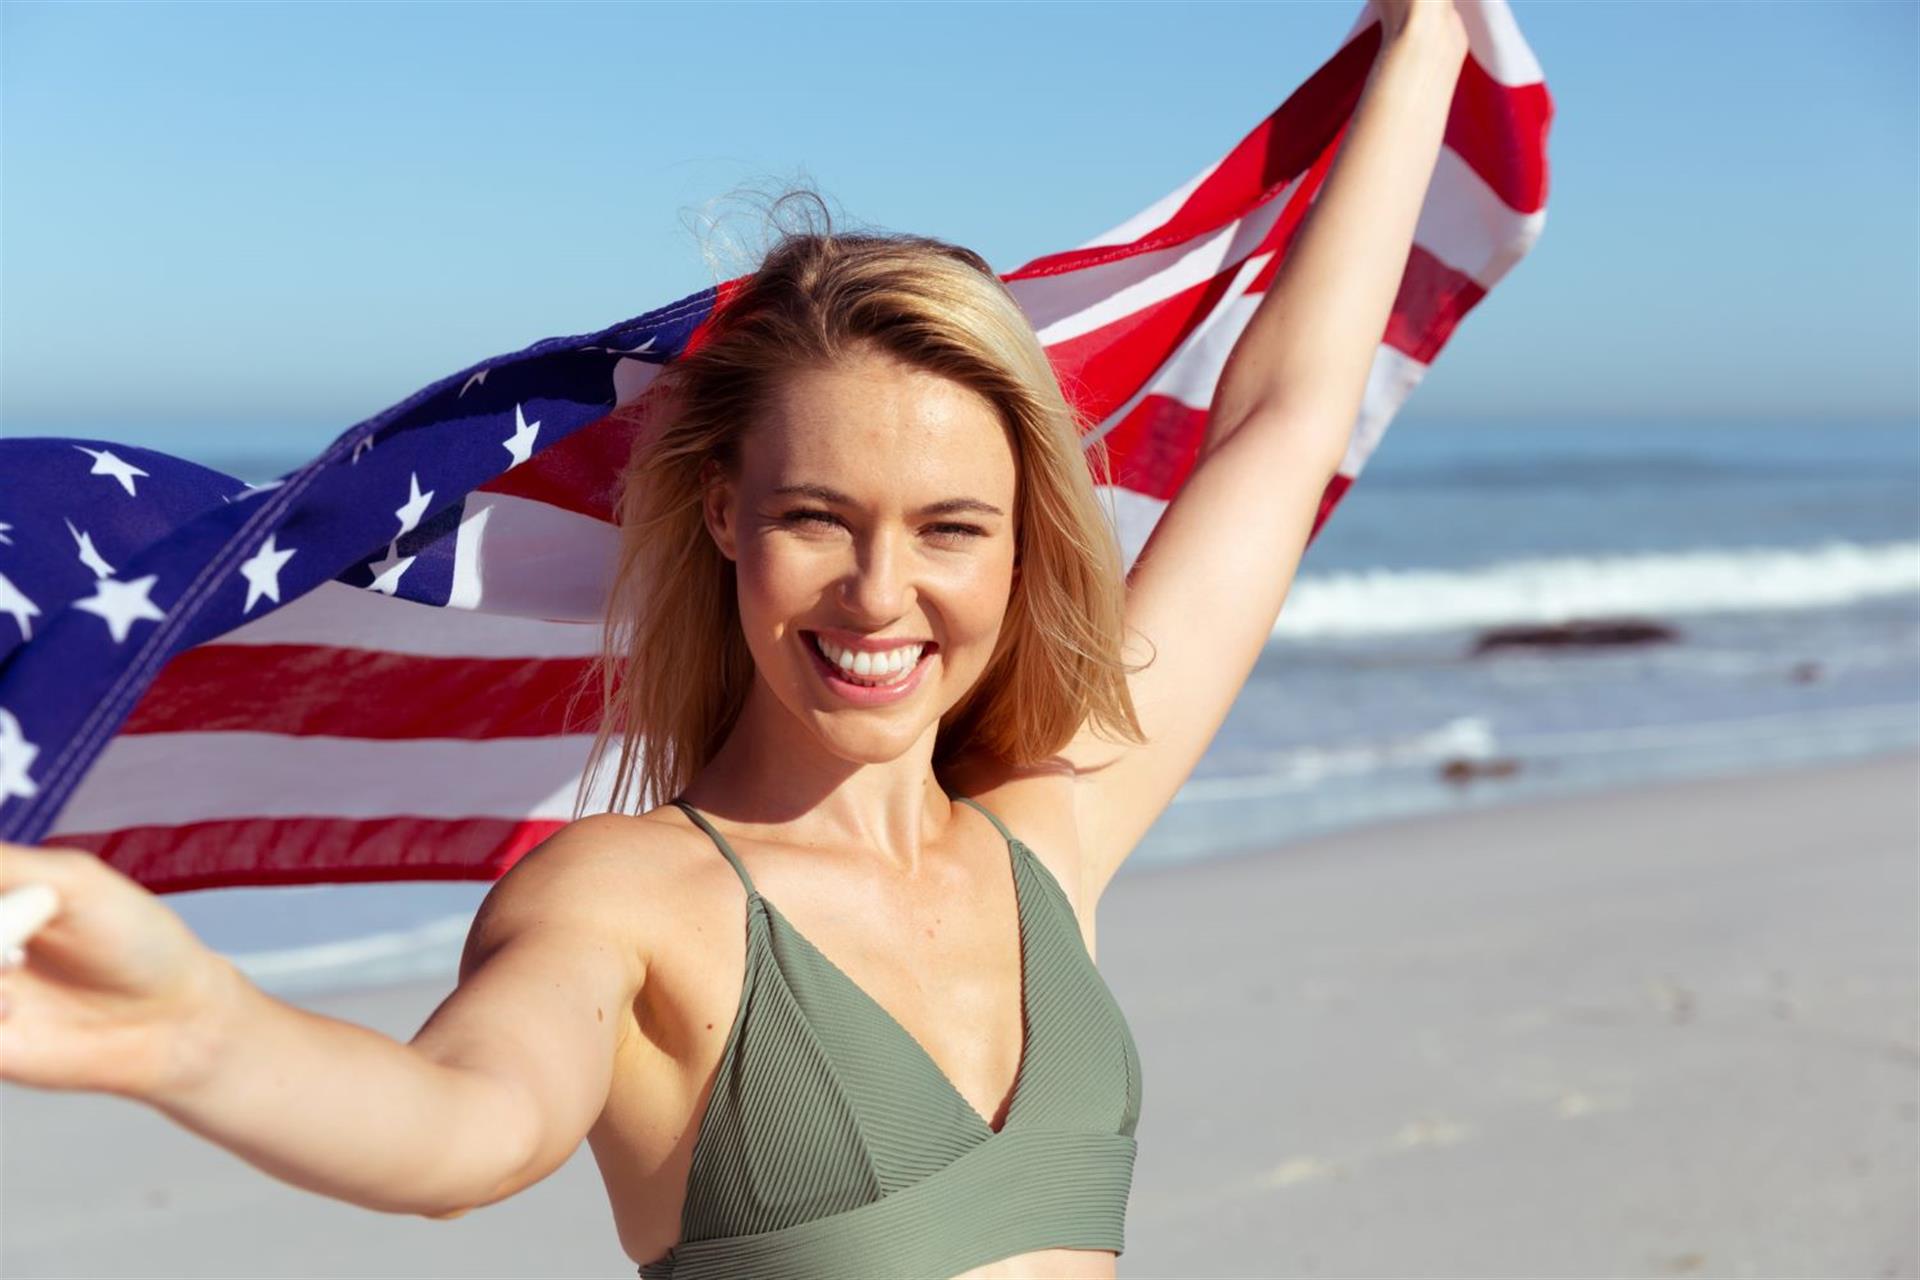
365,669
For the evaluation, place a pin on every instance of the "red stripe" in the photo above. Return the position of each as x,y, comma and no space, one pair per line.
314,690
1102,369
1500,131
1432,299
239,852
1329,499
1154,446
580,473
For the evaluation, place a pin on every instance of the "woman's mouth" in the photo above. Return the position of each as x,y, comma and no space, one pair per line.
890,676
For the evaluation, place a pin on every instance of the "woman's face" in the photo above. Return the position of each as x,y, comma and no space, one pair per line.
873,511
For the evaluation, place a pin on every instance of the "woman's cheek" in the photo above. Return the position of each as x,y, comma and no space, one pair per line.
767,574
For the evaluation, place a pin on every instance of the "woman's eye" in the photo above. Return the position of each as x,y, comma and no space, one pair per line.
818,518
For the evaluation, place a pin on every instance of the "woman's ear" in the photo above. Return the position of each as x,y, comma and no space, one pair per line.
716,505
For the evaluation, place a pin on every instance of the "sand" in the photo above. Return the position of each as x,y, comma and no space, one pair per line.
1669,1030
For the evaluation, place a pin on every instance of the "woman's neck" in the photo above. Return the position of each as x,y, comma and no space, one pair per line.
783,780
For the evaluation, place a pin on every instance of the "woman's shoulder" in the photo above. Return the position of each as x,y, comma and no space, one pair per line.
1036,803
652,872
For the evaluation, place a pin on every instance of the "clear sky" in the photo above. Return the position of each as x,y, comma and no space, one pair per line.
275,220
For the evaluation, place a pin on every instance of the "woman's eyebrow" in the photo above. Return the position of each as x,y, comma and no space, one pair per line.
946,506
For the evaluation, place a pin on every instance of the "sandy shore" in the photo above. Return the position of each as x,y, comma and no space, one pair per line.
1661,1031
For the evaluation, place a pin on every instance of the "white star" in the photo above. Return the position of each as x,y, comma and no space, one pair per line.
520,443
4,526
262,573
477,380
122,604
15,602
360,446
415,508
16,755
386,573
106,463
88,556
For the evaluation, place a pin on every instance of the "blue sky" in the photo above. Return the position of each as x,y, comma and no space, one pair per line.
264,223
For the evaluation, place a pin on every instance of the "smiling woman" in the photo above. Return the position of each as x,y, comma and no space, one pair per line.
817,1008
862,557
860,393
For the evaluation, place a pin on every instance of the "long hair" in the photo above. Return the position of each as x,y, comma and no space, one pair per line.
674,667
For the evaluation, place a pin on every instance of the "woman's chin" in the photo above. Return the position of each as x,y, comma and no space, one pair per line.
867,743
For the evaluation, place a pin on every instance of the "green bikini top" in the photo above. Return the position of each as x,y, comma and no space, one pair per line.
833,1145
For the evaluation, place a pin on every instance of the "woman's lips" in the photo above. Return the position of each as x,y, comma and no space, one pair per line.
865,694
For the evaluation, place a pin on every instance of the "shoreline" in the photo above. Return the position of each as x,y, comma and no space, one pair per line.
1666,1028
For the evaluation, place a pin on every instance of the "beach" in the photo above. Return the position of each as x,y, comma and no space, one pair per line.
1665,1029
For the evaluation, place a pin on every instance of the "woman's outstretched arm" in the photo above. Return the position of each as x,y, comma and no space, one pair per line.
1205,590
493,1094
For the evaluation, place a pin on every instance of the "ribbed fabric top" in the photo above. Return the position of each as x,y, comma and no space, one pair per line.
833,1144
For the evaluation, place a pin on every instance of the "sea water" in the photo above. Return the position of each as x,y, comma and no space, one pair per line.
1784,558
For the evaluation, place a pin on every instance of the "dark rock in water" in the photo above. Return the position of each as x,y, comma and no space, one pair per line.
1578,634
1463,769
1805,672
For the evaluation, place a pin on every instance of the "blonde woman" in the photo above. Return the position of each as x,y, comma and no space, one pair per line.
832,1008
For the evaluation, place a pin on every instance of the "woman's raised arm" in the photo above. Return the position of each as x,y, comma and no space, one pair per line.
1206,588
492,1094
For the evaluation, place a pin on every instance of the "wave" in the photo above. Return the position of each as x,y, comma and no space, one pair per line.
428,950
1562,588
1309,789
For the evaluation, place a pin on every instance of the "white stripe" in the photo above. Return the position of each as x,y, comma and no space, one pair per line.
1077,302
531,559
136,781
352,618
1495,42
1391,378
1191,373
1466,225
631,378
1134,515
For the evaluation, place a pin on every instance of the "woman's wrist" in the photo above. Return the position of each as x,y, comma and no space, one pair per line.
1433,30
187,1061
1424,52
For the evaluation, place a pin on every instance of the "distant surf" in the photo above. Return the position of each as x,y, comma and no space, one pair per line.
1556,588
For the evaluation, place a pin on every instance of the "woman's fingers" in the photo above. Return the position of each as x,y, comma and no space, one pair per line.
22,912
27,864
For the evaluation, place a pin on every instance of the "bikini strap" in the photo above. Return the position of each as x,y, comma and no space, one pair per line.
1007,835
720,840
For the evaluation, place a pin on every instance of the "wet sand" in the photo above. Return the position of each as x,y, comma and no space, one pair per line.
1658,1031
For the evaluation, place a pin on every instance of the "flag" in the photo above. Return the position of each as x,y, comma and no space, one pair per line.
365,669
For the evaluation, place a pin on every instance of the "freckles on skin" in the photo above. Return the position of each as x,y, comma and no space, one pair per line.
893,440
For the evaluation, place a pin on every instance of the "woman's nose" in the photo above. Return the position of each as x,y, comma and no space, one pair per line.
878,584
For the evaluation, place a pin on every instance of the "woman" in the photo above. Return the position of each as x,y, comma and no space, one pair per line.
875,628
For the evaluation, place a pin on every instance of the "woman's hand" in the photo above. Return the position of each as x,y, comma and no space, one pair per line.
1436,19
113,985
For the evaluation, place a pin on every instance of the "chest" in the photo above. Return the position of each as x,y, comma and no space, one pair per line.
925,984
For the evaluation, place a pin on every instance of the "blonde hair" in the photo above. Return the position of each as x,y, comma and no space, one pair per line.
674,668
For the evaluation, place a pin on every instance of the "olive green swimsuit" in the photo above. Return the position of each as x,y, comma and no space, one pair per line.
833,1145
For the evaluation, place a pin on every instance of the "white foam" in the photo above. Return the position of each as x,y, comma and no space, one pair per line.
431,949
1562,588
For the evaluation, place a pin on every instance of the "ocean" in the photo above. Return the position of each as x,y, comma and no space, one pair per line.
1772,570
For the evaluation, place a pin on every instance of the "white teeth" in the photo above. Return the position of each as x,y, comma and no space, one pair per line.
880,668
